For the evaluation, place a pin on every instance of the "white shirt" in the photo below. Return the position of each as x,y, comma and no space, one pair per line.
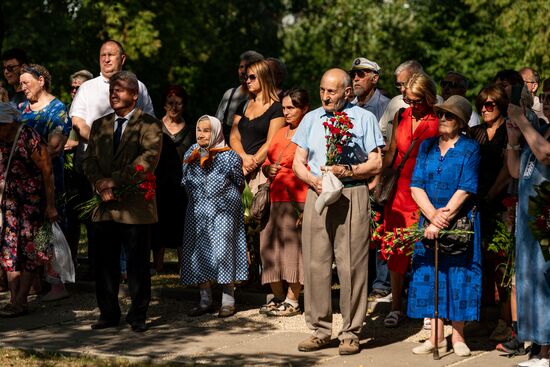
125,123
92,100
474,119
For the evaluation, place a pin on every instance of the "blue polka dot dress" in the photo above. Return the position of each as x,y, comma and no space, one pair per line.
214,240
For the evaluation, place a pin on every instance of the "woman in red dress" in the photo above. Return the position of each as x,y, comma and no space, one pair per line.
415,123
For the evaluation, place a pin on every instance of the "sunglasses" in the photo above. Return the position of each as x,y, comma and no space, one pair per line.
10,68
447,115
489,106
251,77
360,73
399,85
413,102
449,84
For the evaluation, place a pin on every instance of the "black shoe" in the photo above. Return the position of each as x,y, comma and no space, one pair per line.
104,324
139,326
512,347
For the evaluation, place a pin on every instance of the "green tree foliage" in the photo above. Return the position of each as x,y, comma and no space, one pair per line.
197,43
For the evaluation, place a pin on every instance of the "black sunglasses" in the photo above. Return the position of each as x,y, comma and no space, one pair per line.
399,85
447,115
360,73
10,68
251,77
413,102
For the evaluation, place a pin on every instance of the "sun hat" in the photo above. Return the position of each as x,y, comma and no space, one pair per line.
332,189
458,106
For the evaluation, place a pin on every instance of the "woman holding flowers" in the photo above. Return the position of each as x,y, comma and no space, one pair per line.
531,165
214,241
28,196
444,185
280,241
411,126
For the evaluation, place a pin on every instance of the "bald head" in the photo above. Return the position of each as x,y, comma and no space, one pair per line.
335,89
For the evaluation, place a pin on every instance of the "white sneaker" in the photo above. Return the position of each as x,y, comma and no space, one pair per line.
461,349
535,362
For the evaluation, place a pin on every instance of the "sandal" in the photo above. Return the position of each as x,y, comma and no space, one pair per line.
13,310
393,319
285,309
270,306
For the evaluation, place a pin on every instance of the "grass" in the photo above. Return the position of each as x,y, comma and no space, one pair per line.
22,358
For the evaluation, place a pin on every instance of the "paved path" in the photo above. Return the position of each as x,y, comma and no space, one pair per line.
247,339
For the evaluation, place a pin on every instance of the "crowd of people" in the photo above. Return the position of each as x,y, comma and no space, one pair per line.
455,165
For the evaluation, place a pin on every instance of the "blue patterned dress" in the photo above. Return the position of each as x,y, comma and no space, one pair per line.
459,275
532,272
214,241
50,119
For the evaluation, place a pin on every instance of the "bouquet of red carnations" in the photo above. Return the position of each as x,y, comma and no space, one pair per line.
147,184
539,210
337,135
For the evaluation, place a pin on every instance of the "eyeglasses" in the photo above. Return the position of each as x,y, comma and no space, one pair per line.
447,115
400,85
449,84
529,81
360,73
251,77
413,102
489,106
10,68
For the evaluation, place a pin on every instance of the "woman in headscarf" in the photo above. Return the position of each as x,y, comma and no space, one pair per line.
214,244
27,197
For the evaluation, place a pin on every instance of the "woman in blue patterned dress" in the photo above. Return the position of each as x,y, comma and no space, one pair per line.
444,185
531,165
48,116
214,242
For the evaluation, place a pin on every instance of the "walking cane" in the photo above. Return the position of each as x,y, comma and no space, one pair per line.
436,301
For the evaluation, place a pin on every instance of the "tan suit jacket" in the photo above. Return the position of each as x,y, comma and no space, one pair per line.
140,144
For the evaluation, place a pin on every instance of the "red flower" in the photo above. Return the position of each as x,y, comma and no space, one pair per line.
149,195
510,201
149,176
139,168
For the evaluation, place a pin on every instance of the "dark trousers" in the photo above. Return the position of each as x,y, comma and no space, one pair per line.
135,239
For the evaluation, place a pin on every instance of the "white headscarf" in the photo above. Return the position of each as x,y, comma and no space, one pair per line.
8,113
216,138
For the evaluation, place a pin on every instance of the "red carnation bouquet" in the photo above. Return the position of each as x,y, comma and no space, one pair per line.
140,183
337,136
539,211
503,242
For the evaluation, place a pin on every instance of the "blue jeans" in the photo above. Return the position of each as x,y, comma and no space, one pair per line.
382,280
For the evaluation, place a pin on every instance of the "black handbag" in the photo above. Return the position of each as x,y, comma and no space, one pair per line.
454,244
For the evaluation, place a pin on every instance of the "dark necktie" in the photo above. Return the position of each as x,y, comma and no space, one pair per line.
118,132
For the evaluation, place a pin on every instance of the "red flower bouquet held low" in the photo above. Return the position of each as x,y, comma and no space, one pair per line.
401,241
140,183
539,211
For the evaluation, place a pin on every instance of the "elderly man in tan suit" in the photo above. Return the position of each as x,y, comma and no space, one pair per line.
118,142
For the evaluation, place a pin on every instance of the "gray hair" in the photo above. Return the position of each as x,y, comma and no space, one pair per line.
128,77
412,66
8,113
83,75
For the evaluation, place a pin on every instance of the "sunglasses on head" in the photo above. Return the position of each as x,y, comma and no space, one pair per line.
447,115
360,73
251,77
489,106
413,102
449,84
10,68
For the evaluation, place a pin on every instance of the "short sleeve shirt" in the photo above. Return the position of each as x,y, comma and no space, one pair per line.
366,137
254,132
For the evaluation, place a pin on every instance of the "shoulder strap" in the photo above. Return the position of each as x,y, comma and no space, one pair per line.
226,112
14,145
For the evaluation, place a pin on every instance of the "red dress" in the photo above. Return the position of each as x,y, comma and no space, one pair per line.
402,211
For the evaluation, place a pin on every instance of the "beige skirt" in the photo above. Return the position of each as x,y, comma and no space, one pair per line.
281,246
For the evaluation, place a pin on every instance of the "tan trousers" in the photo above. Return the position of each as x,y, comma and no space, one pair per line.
340,233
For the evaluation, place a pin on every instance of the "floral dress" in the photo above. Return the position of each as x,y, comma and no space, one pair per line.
23,204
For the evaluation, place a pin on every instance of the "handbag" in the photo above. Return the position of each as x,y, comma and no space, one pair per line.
385,188
261,202
454,244
3,184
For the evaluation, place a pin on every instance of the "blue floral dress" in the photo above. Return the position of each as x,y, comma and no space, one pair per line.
214,241
52,118
459,275
532,272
